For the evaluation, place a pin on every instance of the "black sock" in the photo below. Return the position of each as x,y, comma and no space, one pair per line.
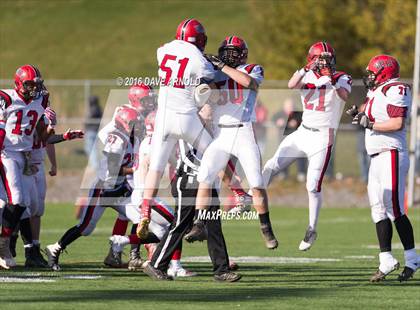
405,231
25,231
70,235
11,216
151,238
384,233
265,218
134,229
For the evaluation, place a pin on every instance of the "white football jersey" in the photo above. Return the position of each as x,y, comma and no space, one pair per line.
392,99
322,107
20,119
236,104
116,142
181,67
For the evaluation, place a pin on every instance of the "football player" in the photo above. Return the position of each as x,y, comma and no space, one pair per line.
21,113
324,92
233,116
182,67
112,187
142,98
384,115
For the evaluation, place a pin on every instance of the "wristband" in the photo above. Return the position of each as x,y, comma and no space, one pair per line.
302,72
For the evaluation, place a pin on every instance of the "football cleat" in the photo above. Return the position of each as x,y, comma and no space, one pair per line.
113,259
3,264
268,235
308,240
38,255
243,204
227,277
5,252
406,274
384,270
142,230
136,262
197,233
53,252
156,274
33,260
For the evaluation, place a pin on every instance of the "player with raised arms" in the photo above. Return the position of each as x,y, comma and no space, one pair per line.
323,92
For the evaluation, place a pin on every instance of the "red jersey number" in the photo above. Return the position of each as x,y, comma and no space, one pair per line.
179,80
33,119
321,102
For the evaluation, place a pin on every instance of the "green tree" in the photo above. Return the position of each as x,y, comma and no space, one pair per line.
358,30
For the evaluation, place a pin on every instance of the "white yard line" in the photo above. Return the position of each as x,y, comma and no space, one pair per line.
360,257
263,260
397,246
24,280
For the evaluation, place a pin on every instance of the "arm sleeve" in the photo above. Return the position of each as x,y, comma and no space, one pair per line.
345,81
53,139
205,70
257,74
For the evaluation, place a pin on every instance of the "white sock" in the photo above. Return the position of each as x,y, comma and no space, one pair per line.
125,240
175,263
385,257
315,202
26,246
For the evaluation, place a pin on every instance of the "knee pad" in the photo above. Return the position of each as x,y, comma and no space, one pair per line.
378,213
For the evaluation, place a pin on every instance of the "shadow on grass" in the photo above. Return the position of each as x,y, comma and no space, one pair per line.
230,293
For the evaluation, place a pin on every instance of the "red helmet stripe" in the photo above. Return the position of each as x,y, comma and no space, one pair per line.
183,28
33,70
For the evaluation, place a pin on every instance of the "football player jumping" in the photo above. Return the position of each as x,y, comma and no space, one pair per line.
182,67
323,93
21,111
384,115
233,116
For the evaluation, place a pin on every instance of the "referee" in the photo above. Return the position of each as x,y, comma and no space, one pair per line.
184,189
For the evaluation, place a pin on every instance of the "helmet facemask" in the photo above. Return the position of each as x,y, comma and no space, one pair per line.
32,89
232,56
325,64
370,78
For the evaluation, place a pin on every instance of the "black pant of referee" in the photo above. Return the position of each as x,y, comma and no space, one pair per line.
184,190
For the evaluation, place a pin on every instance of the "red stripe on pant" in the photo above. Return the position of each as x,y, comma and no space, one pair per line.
395,183
327,159
164,212
6,183
90,209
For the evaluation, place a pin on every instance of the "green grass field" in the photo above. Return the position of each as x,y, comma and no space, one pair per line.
338,280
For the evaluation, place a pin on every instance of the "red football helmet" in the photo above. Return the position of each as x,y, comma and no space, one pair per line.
142,98
127,119
29,83
322,55
192,31
380,69
233,51
149,123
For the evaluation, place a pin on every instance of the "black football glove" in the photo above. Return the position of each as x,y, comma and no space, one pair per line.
362,120
216,61
353,111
